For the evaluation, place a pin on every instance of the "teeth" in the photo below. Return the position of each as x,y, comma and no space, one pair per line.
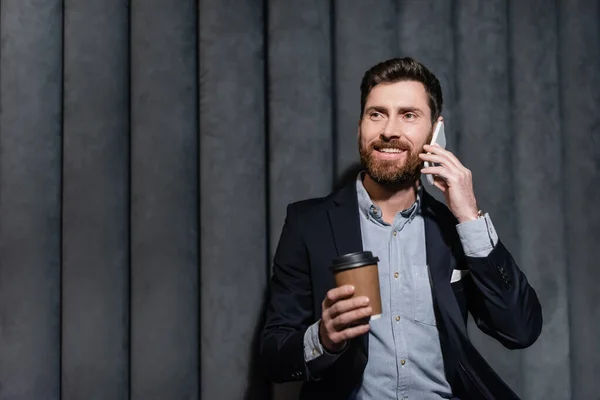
390,151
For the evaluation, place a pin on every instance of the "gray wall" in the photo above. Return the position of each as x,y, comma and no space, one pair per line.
148,150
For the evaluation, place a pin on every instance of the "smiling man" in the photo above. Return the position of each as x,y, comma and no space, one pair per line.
437,264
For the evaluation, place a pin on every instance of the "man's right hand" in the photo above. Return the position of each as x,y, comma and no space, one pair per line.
343,318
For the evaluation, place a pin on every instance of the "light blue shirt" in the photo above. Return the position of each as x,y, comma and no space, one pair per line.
405,358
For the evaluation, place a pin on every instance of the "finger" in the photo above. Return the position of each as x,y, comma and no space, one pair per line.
437,150
351,318
343,306
458,173
453,158
441,171
350,333
439,159
336,294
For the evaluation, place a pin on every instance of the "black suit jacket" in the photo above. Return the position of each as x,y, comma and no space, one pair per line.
496,293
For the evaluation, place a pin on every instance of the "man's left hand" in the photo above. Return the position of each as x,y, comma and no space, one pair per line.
454,180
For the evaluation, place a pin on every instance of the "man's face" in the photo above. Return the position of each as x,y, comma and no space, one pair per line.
395,125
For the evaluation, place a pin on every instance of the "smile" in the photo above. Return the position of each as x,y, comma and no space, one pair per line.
390,154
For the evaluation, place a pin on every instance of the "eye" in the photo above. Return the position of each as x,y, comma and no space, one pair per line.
410,116
375,116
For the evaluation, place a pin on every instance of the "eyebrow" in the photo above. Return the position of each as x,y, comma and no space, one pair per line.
401,110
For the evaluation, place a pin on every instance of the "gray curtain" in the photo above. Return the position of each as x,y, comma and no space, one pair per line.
148,150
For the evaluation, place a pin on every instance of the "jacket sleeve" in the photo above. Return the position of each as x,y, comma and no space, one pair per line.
289,309
501,301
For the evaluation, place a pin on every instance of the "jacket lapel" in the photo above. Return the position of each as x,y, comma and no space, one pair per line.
344,221
437,251
448,315
439,259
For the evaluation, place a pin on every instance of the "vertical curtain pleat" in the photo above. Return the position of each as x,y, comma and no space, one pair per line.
538,171
233,198
579,56
164,200
30,198
95,269
300,112
148,151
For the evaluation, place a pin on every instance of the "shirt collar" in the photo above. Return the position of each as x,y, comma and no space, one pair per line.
373,211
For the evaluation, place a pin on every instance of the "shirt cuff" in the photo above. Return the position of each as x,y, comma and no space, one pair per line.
478,237
313,348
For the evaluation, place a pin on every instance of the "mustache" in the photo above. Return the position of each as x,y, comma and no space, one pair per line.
392,144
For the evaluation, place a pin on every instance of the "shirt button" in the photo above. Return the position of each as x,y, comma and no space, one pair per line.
394,233
398,319
315,352
396,275
402,362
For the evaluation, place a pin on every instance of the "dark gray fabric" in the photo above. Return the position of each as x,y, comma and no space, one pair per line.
300,113
95,269
30,190
148,152
538,166
164,201
579,77
233,197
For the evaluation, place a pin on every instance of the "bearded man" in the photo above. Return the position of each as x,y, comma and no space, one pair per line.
437,263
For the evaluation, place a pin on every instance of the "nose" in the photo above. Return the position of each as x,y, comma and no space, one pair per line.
391,130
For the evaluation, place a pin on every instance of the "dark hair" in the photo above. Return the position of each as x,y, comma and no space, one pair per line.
403,69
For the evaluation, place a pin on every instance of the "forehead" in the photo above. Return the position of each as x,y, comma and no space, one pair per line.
399,94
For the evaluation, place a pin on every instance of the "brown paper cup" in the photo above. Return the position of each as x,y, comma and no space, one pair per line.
360,270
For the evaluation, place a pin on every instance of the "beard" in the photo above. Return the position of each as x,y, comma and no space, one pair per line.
391,172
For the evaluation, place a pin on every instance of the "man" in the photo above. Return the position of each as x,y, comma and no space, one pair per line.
437,263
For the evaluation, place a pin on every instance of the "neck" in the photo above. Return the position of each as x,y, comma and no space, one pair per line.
391,199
